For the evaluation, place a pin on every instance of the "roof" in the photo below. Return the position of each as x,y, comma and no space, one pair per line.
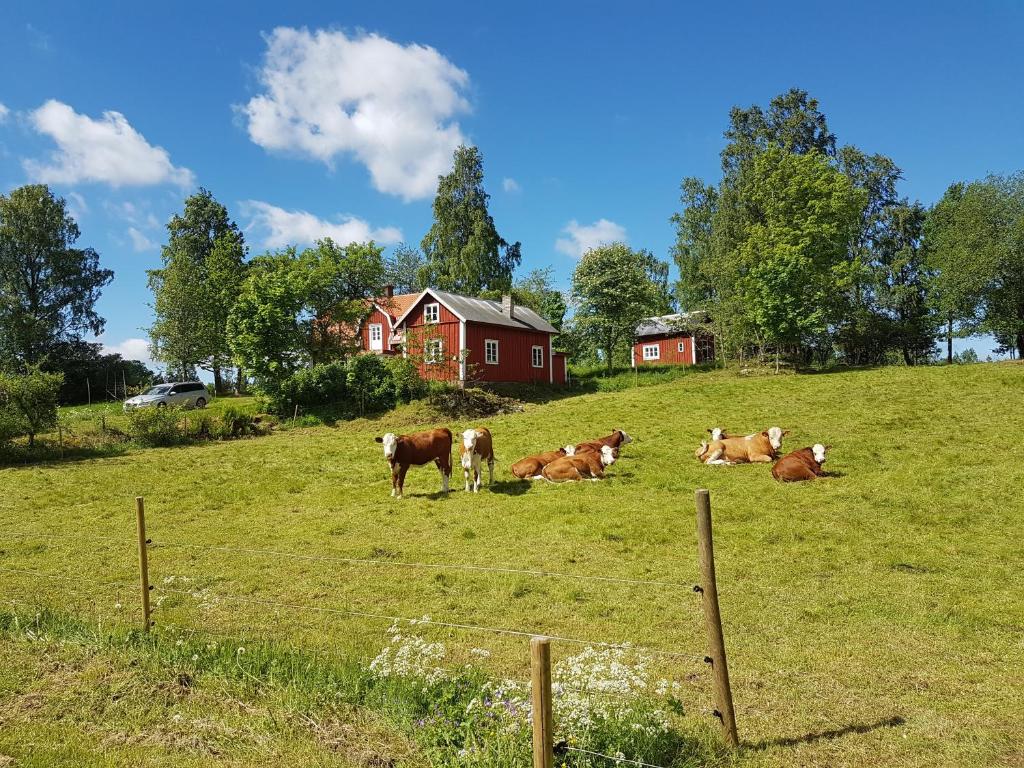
397,305
486,311
667,325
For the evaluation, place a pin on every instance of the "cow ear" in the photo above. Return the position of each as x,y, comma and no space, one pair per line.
378,439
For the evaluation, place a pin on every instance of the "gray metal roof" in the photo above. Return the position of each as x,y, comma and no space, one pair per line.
679,322
487,311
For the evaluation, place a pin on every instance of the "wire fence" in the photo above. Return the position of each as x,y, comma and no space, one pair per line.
163,590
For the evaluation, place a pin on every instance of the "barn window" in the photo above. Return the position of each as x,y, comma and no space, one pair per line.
433,351
652,352
538,357
491,351
680,347
431,313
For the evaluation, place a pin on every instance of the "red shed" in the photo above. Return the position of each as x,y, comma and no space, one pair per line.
672,340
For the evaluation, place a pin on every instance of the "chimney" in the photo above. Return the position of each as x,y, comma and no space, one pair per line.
508,305
389,291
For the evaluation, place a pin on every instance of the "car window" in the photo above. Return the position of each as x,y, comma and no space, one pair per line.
174,390
161,390
198,387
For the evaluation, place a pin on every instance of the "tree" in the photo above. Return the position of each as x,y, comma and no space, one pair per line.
48,288
405,269
463,250
30,401
615,289
203,265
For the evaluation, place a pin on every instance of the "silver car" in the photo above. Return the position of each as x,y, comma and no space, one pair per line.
188,394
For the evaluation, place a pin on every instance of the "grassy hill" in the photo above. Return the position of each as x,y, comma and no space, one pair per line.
873,618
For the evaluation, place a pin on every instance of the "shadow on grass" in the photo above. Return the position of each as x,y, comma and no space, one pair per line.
833,733
510,487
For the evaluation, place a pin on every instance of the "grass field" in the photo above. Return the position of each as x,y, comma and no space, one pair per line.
873,618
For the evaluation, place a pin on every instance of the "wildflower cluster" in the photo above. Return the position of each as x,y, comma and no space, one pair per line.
410,657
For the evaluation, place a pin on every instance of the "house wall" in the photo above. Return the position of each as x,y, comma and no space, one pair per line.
515,361
669,350
417,333
558,363
376,316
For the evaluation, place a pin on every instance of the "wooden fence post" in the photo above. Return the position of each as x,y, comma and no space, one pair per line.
140,519
543,730
713,619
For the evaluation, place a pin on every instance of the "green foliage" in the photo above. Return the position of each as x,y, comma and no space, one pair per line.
615,288
370,383
464,252
195,289
48,288
319,385
405,269
405,374
157,427
28,403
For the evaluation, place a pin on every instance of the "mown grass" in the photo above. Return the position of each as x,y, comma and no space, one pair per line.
871,618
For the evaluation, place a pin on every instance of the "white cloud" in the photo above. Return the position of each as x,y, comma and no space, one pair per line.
510,185
389,106
131,349
140,242
107,150
281,227
4,112
582,237
77,206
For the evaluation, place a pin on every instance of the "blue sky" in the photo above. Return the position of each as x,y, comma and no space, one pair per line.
588,114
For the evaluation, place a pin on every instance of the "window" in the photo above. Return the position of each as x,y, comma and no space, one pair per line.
652,352
433,351
491,351
538,357
431,313
680,347
376,336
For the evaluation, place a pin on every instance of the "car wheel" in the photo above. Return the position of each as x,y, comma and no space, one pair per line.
161,405
200,402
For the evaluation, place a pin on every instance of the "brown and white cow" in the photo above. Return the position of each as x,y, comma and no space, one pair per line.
757,447
404,451
615,440
804,464
530,466
588,465
477,447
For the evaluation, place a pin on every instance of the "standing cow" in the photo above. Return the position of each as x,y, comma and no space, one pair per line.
476,448
403,451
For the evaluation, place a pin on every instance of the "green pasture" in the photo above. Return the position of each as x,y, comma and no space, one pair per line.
872,618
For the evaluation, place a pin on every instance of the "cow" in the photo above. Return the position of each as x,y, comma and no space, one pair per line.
804,464
717,433
532,465
759,447
587,465
615,440
403,451
477,447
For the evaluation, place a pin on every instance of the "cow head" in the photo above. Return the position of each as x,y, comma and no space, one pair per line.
775,435
607,455
569,450
469,443
390,441
625,438
819,452
717,433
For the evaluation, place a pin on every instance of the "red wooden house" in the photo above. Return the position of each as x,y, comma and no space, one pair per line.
672,340
462,339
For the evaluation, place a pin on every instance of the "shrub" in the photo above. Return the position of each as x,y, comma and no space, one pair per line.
321,384
451,401
28,403
409,385
370,383
157,427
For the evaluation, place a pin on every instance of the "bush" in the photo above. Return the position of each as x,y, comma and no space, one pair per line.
370,383
28,403
158,427
409,385
453,402
322,384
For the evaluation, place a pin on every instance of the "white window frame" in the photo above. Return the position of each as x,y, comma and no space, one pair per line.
489,346
433,351
432,309
377,328
681,346
534,357
651,348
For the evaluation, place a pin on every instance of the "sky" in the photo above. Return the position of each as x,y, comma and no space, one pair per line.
312,119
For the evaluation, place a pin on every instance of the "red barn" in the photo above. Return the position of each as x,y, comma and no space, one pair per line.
672,340
458,338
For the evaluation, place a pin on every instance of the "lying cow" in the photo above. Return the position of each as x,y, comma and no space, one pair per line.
476,448
804,464
717,433
587,465
531,466
615,440
403,451
758,447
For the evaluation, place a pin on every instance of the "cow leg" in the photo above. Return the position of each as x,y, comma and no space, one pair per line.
465,474
763,458
394,481
715,457
490,470
478,473
401,479
446,470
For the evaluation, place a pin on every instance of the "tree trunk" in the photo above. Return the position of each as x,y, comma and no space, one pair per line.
1020,346
949,340
218,381
907,357
776,359
241,386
